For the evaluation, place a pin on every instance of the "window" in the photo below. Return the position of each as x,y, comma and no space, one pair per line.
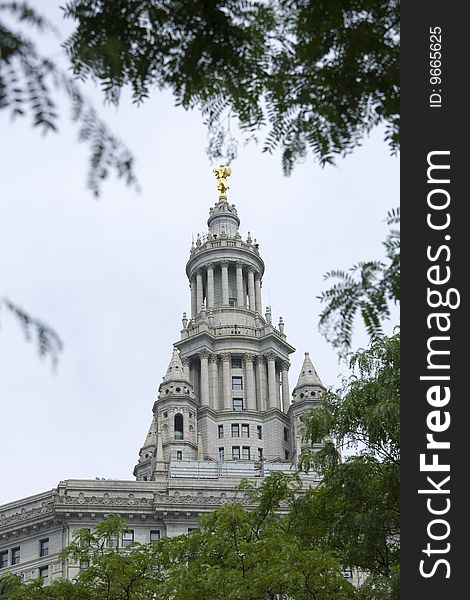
347,572
3,559
238,404
286,434
232,301
286,454
235,430
259,431
44,574
237,383
246,452
84,564
113,541
179,455
221,454
260,453
191,529
15,556
127,538
236,452
178,426
155,535
44,547
236,363
221,432
245,430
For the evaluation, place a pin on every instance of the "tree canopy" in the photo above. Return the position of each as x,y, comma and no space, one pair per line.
29,86
358,499
315,76
237,553
367,289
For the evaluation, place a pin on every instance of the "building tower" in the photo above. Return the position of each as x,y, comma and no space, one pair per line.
225,399
223,412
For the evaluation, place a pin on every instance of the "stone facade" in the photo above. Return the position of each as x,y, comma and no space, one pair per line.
223,412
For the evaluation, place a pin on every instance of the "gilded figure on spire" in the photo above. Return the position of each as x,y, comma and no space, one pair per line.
221,173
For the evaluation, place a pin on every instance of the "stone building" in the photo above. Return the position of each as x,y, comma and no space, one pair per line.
224,411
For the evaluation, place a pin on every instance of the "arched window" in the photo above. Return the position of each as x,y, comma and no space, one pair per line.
178,426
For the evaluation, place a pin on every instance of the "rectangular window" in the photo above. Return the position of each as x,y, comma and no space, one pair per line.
15,556
221,432
260,453
238,404
179,455
191,529
155,535
236,452
246,452
113,541
221,454
44,574
236,363
245,430
127,538
286,434
232,301
237,383
84,564
347,572
3,559
259,431
235,430
286,454
44,547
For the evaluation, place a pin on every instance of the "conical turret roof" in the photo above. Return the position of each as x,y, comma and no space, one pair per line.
308,374
175,371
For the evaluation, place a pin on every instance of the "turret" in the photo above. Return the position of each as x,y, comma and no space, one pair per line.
306,394
173,431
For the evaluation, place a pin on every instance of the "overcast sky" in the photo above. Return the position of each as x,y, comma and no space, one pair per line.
109,276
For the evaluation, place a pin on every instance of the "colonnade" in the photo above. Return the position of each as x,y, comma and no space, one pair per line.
265,380
247,282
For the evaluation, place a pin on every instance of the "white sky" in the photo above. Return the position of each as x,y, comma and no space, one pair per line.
109,275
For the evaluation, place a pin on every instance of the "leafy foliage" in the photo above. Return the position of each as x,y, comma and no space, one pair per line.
358,500
367,289
28,84
318,74
236,554
47,340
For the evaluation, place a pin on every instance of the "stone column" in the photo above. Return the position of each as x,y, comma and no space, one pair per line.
204,356
214,382
250,382
278,387
210,286
193,297
272,391
199,291
285,386
258,303
224,266
251,289
226,381
261,382
240,295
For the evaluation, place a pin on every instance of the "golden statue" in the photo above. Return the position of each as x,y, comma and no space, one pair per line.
221,173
